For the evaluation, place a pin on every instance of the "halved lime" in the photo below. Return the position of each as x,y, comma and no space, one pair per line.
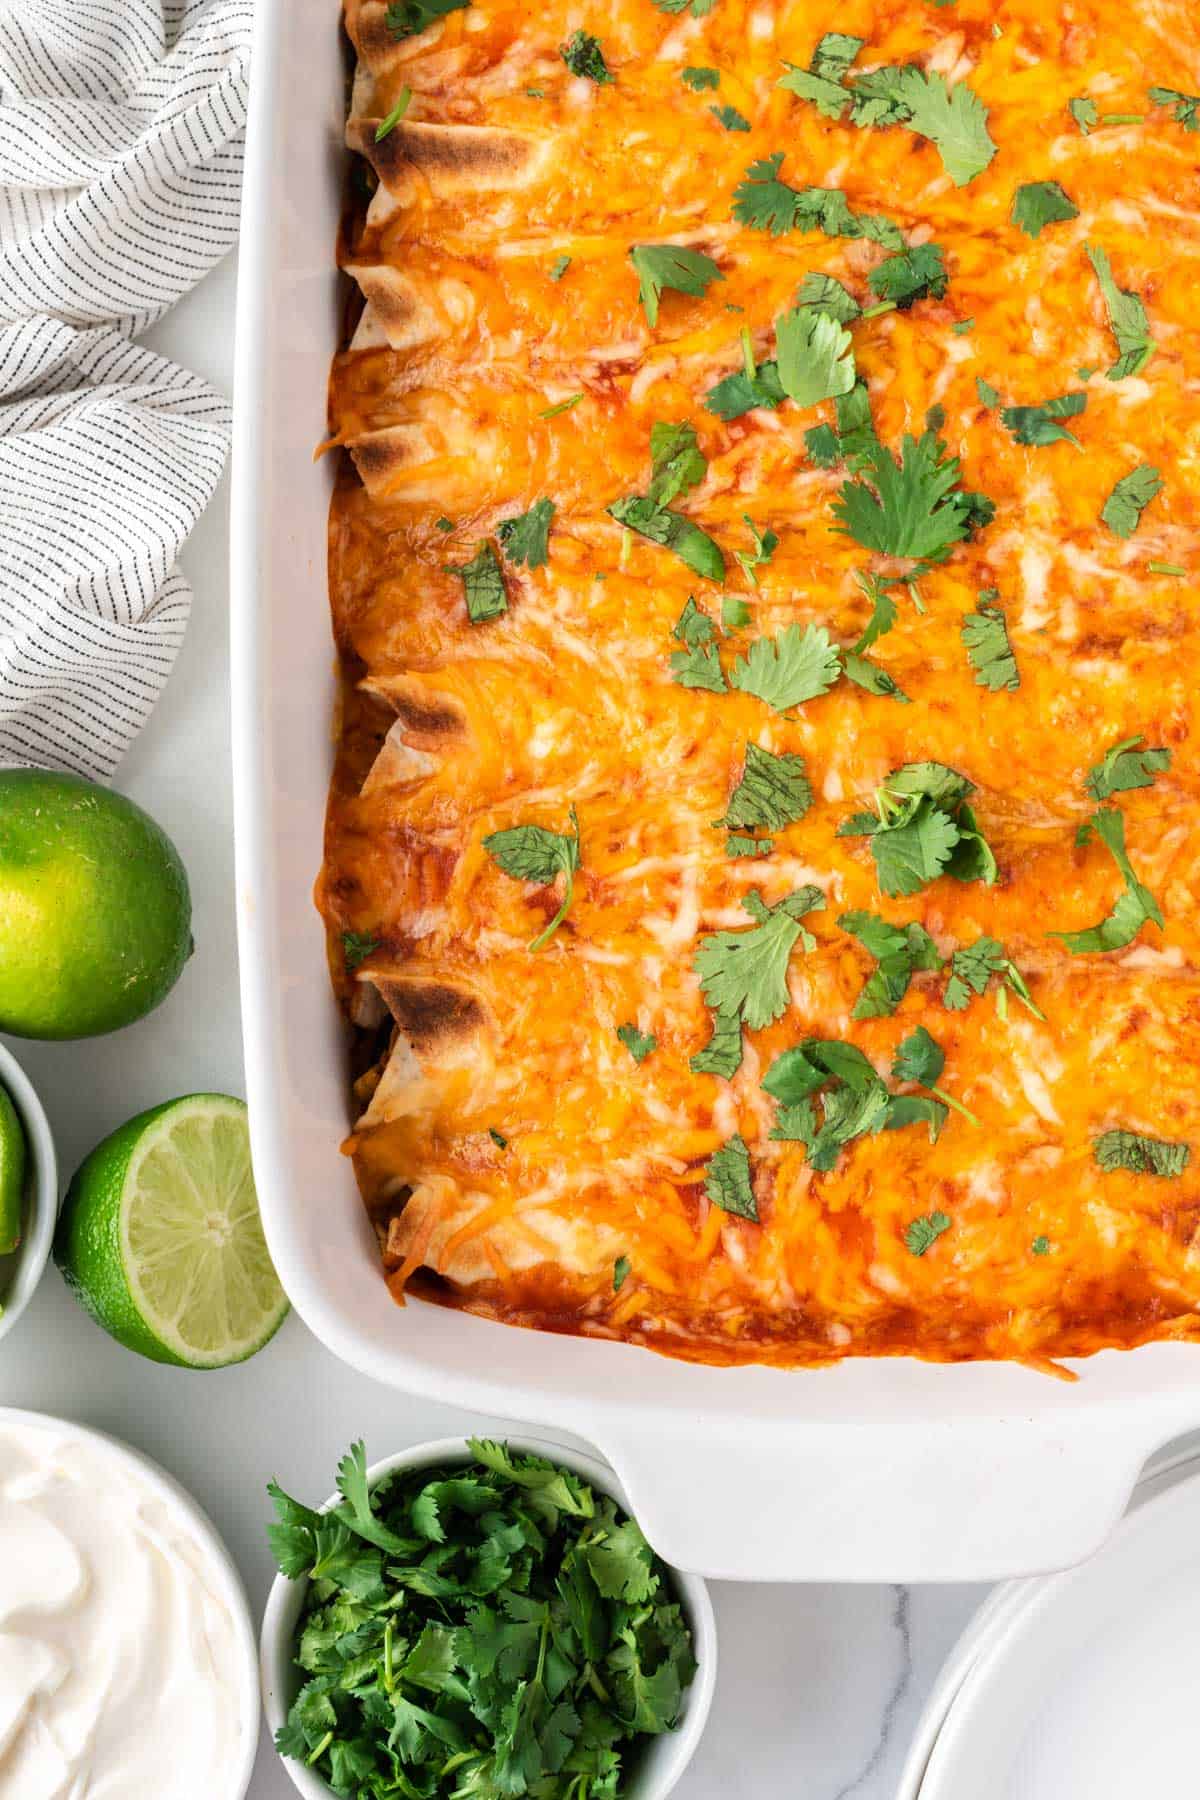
161,1240
12,1175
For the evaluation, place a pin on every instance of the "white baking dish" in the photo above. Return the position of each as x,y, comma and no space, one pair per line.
873,1470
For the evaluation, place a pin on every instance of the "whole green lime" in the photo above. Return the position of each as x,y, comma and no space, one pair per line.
95,914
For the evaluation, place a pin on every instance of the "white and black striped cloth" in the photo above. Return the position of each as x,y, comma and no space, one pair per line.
121,126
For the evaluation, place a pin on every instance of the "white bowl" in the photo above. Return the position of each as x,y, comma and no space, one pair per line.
28,1261
664,1758
227,1580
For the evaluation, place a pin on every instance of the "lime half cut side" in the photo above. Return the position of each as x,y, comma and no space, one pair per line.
13,1159
161,1240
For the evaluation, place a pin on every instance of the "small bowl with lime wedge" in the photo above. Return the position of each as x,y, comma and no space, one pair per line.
28,1190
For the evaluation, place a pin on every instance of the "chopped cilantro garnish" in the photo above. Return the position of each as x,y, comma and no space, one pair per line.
1165,568
444,524
765,545
973,967
620,1276
899,951
744,973
559,267
638,1043
989,652
923,828
813,356
1123,509
772,791
394,117
730,118
911,508
408,18
747,388
722,1054
1140,1155
734,612
1186,107
821,82
788,669
855,1100
1135,905
563,406
1040,1246
1041,203
920,1058
921,1234
677,465
357,946
727,1180
883,610
698,8
498,1138
1126,317
1039,424
1085,113
583,56
526,538
915,274
1125,766
869,676
531,853
737,845
698,79
954,119
829,296
483,585
988,395
698,664
961,327
763,202
662,266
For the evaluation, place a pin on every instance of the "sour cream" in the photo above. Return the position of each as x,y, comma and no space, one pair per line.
120,1659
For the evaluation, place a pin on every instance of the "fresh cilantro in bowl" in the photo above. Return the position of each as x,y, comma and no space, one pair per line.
491,1628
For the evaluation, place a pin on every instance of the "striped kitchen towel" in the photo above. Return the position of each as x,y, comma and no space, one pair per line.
121,126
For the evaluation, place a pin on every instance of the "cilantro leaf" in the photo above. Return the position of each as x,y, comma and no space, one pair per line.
921,1234
915,274
899,950
408,18
698,8
357,946
699,664
638,1043
357,1512
743,391
773,791
1186,107
1085,113
559,267
790,668
727,1180
621,1272
1134,906
923,828
483,586
822,81
737,845
1037,204
677,465
989,651
1126,317
973,967
1039,424
1140,1155
919,1058
722,1055
1123,509
698,79
813,356
743,974
829,296
525,539
855,1102
1125,766
583,56
761,201
730,118
531,853
662,266
869,676
883,610
954,119
911,508
765,545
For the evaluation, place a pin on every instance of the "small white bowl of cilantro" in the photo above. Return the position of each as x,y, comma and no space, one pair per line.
469,1620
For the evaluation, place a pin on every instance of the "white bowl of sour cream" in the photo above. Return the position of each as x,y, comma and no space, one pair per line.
128,1663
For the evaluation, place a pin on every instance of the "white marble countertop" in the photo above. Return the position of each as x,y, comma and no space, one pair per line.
819,1687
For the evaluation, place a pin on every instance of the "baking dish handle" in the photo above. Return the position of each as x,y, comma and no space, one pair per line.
957,1499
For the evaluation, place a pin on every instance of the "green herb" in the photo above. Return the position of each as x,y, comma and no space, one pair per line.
790,668
483,585
899,951
1125,766
921,1234
954,119
498,1138
394,117
883,610
1123,509
727,1180
638,1043
737,845
662,266
915,274
824,446
526,539
698,8
923,828
444,524
722,1055
772,791
746,389
813,355
698,79
563,406
989,651
855,1101
1126,317
911,508
1041,203
873,679
1165,568
1140,1155
1186,107
677,465
1040,1246
821,82
920,1058
408,18
765,545
1039,424
961,327
621,1269
988,395
486,1628
583,56
559,267
531,853
744,973
1085,113
734,612
698,664
357,946
973,967
1133,908
763,202
730,118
